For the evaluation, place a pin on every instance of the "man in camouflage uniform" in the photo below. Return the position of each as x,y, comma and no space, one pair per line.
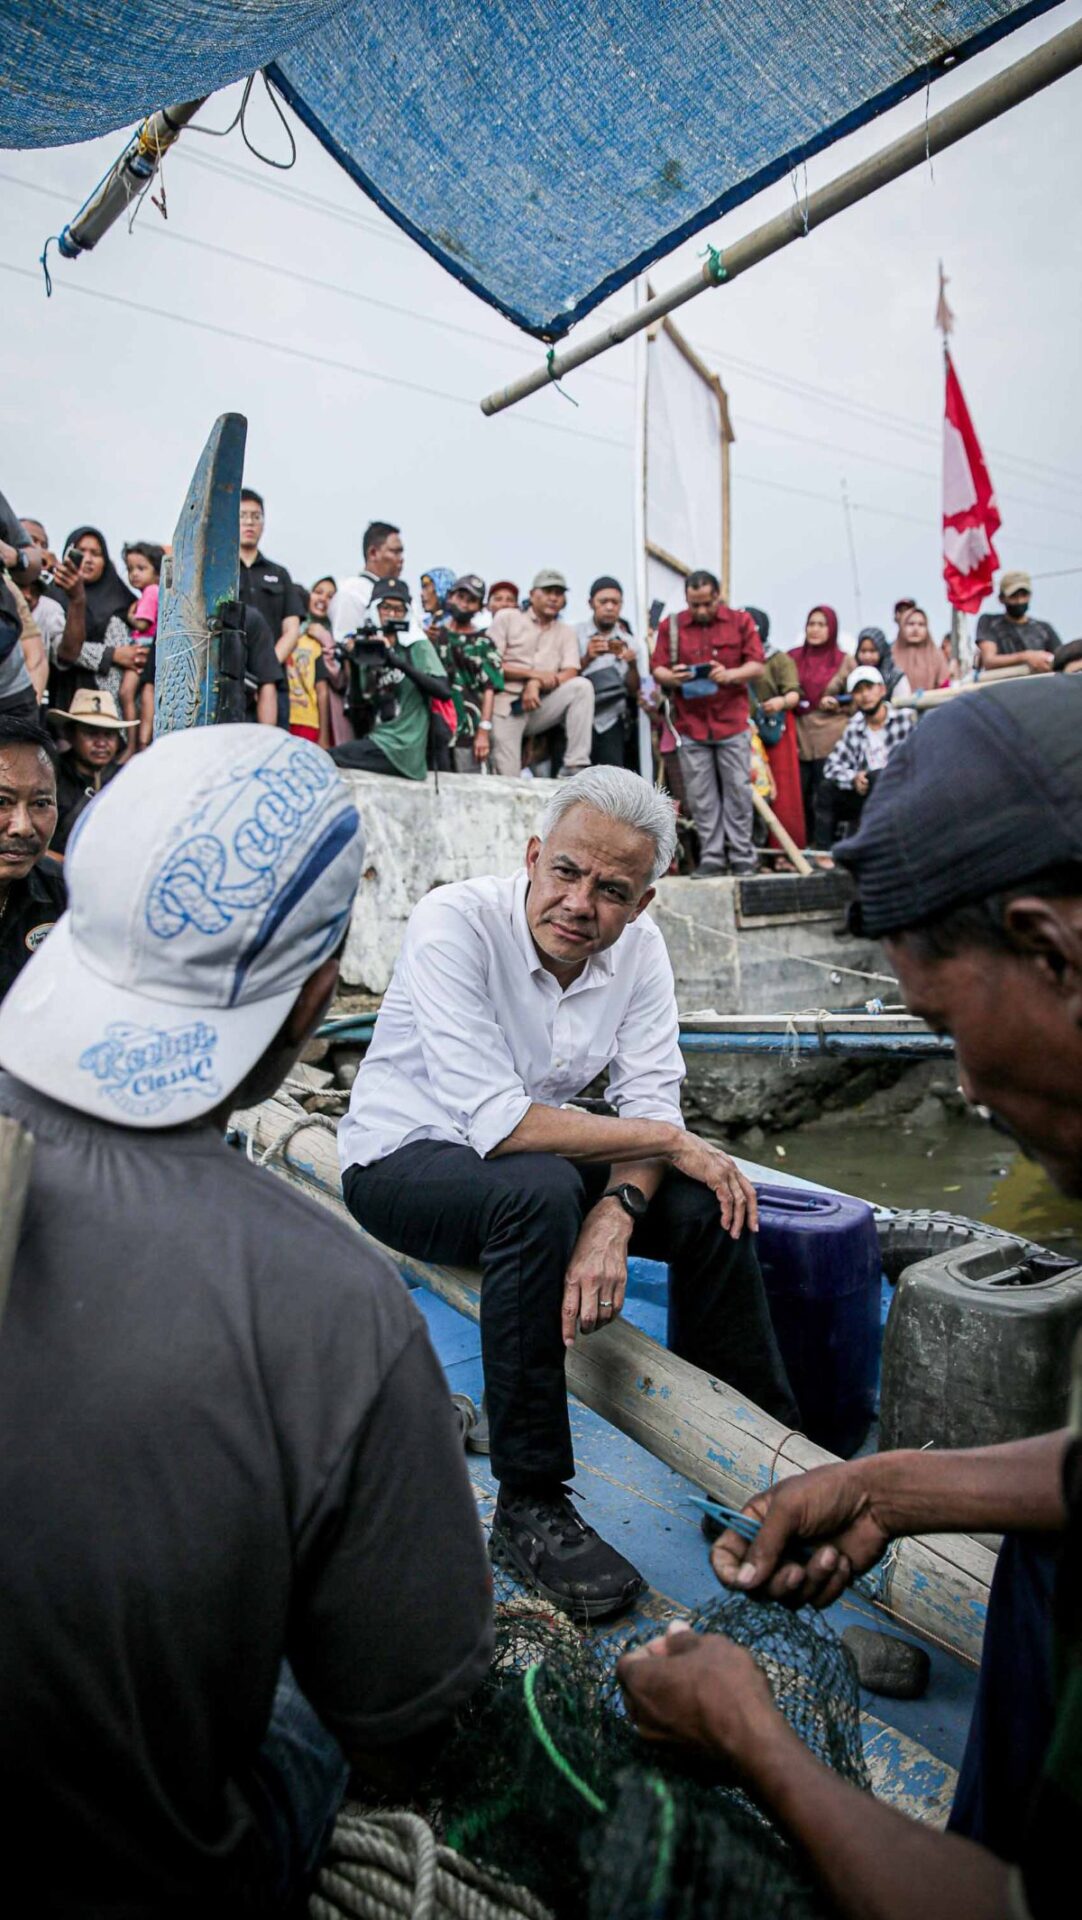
473,668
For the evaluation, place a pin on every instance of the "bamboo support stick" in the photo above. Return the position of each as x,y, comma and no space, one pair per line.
1019,82
781,834
16,1154
694,1423
942,696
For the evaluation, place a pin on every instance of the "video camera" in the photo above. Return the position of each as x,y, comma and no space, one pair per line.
371,694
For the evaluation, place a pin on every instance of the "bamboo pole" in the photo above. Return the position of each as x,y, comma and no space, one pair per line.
781,834
1050,62
937,1584
942,696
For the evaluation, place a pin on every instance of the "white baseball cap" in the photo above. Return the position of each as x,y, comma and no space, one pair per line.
864,677
206,883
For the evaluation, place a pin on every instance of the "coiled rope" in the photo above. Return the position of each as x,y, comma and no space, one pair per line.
390,1866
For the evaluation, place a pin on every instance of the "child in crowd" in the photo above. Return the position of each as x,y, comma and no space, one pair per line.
144,563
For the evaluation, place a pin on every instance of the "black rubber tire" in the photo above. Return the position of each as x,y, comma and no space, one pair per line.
922,1234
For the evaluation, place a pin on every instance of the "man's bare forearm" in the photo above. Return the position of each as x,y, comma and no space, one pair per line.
591,1137
874,1863
1017,1488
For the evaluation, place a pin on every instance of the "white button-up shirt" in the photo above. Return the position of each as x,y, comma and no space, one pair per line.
473,1030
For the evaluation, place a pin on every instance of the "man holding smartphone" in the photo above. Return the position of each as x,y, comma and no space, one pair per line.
704,658
608,659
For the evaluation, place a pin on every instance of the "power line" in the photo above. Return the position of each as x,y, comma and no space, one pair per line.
389,306
301,353
809,390
307,279
894,423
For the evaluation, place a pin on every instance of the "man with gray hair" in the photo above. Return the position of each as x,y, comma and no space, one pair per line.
509,998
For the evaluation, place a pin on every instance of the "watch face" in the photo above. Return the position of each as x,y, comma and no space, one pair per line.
633,1198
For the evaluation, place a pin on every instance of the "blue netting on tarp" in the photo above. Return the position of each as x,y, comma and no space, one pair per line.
544,151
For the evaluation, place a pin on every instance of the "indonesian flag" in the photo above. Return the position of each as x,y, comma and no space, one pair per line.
970,514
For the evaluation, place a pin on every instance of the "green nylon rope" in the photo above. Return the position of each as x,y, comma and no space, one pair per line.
715,264
667,1817
529,1685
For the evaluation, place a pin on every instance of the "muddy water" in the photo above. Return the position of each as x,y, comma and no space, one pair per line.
959,1165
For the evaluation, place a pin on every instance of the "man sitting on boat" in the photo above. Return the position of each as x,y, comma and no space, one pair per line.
225,1440
969,863
509,998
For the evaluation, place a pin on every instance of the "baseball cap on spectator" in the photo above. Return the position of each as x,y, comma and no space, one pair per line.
1015,582
206,883
983,794
470,583
549,577
390,590
605,580
864,677
509,584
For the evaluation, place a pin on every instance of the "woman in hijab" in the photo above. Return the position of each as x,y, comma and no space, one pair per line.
108,647
436,584
822,668
925,663
873,650
777,692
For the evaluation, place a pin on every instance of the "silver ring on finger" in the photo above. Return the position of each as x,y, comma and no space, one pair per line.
604,1303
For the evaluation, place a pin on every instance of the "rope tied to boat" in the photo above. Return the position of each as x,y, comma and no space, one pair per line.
281,1140
387,1865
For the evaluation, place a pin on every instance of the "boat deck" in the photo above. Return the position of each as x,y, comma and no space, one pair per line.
913,1747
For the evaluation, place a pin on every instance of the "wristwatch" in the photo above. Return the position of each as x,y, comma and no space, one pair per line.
485,726
632,1199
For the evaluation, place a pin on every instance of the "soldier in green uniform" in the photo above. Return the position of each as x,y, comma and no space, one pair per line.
473,667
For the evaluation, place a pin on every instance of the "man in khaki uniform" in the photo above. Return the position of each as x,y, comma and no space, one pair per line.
544,688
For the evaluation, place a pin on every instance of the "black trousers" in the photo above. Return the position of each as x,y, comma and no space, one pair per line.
518,1217
363,756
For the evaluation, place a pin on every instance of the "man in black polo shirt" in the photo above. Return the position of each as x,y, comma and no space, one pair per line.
268,587
32,895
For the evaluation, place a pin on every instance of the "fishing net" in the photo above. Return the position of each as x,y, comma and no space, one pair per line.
546,1782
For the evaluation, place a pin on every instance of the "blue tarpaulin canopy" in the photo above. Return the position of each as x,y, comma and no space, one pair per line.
544,151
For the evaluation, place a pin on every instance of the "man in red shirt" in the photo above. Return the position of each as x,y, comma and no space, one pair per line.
704,658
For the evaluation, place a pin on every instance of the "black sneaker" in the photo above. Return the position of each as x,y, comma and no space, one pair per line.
541,1538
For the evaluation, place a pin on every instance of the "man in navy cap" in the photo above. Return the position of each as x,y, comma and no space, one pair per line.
969,864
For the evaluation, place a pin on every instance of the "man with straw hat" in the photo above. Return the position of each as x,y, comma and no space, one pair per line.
95,734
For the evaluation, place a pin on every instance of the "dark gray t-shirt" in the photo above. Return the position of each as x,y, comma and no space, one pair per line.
1017,636
224,1440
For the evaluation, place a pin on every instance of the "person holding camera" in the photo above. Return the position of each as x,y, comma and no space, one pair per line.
20,564
509,997
705,658
393,681
608,660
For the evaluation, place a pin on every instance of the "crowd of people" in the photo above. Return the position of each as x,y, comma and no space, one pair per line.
469,678
242,1558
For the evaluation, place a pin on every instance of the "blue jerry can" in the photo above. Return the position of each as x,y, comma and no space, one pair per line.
820,1258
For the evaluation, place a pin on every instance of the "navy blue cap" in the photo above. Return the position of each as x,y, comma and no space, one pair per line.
983,794
388,589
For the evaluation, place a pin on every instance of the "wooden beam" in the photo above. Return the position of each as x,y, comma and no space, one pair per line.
694,1423
667,559
781,834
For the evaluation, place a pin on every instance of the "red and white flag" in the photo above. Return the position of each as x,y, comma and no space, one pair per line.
970,515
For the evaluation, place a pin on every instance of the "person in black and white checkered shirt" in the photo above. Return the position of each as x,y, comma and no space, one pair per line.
865,747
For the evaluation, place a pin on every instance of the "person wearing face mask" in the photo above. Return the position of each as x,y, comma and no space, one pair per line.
1011,638
854,765
706,658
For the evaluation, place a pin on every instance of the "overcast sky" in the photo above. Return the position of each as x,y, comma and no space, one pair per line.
828,352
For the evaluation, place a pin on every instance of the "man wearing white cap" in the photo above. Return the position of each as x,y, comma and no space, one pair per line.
855,764
225,1441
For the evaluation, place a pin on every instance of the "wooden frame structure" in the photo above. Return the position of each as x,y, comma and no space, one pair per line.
726,436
